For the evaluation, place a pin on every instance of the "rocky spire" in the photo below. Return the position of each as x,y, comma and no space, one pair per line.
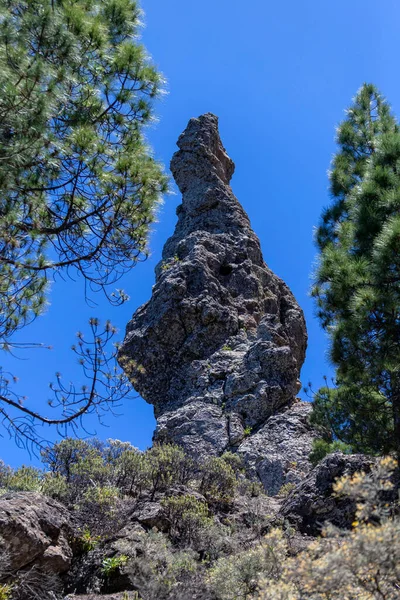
219,346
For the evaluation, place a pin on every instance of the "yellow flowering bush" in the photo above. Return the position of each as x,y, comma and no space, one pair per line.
361,564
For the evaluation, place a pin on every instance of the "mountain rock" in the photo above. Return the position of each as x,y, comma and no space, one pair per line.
219,346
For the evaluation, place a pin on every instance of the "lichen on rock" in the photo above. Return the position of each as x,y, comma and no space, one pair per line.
219,346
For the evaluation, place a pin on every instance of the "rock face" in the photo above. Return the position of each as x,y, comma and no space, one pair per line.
278,452
35,529
312,503
219,346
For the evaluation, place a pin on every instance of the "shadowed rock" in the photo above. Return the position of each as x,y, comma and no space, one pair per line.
312,504
219,346
35,530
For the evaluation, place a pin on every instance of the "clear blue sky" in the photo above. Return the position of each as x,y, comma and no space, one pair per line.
279,76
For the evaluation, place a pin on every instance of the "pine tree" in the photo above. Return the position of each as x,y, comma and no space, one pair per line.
367,118
357,286
78,184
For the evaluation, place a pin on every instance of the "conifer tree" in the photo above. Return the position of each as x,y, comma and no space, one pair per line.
357,287
78,185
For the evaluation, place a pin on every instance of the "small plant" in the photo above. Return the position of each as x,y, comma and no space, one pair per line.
111,565
170,263
247,431
5,591
226,348
87,541
286,489
254,489
234,460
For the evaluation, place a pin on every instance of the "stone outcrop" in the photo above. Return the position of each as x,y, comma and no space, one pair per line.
219,346
278,452
312,503
35,530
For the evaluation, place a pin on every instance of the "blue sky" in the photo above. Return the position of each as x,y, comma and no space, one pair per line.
279,76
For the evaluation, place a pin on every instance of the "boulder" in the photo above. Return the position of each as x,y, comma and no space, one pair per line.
278,452
312,503
36,530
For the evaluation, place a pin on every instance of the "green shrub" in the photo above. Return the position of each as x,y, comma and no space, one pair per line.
112,565
87,541
363,563
105,498
322,448
166,465
5,591
55,486
238,577
130,472
218,482
25,479
286,488
234,460
251,488
187,517
163,570
62,456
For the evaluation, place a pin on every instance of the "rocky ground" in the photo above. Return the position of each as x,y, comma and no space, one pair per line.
44,543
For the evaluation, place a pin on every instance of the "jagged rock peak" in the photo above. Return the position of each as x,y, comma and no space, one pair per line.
201,155
219,346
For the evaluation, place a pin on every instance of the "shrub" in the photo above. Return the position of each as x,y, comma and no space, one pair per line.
251,488
286,489
87,541
5,591
166,465
161,571
322,448
187,516
104,497
112,565
234,460
25,479
130,472
62,456
239,576
5,473
55,486
218,482
363,563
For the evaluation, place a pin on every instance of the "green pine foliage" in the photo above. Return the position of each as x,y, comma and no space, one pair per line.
78,185
357,136
357,282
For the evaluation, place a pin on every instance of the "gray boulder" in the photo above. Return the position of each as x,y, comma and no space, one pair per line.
278,453
219,346
36,530
312,503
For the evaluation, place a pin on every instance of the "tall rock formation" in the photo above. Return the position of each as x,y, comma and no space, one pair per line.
219,346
